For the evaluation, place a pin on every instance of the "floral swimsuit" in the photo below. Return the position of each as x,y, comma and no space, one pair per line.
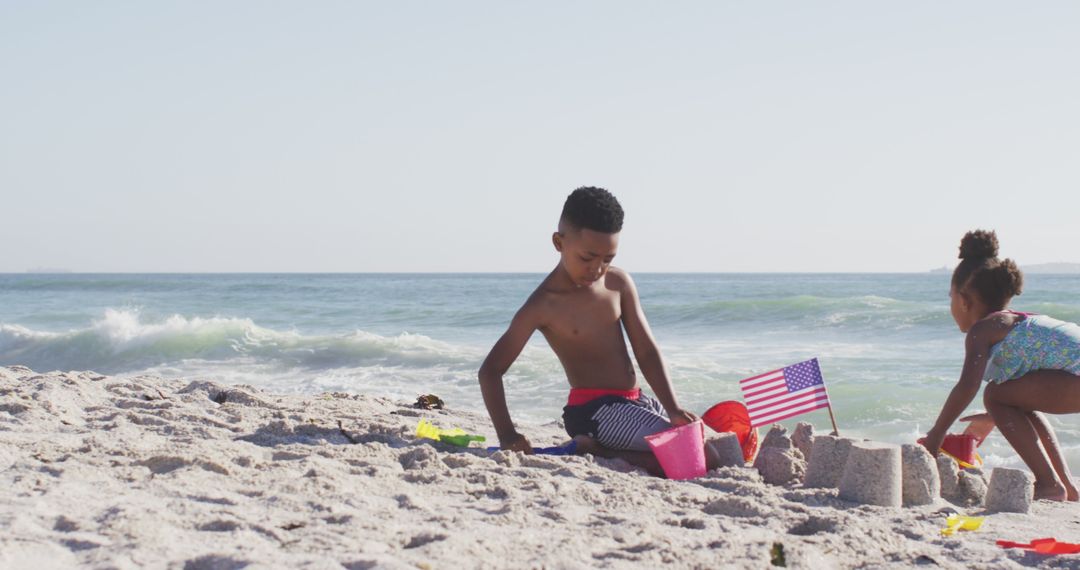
1038,342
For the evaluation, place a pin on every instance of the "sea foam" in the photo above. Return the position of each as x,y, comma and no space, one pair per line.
122,341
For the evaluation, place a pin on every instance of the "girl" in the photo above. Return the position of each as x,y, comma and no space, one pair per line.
1032,364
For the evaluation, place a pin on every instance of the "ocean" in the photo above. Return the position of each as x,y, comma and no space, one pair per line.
888,348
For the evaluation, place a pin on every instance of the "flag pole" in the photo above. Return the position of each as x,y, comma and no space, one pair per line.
832,418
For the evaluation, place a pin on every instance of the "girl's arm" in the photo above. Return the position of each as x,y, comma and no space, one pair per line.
982,336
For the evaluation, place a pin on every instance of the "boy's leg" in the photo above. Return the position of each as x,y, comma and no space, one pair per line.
1057,460
621,427
625,424
644,459
1051,391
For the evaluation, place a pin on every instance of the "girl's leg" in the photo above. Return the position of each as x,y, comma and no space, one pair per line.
1051,391
1057,460
1017,429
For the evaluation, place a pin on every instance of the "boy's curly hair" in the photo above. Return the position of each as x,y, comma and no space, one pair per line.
994,280
594,209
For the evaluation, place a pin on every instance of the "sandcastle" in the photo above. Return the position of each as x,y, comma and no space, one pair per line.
949,473
779,461
828,455
727,447
777,437
1011,490
803,439
971,488
963,487
921,484
874,473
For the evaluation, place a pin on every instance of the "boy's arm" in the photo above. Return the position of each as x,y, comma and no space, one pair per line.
977,349
647,353
498,361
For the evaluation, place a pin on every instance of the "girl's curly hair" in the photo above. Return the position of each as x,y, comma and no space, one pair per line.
995,281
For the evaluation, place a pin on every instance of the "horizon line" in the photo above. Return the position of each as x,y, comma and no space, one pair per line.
933,271
45,270
778,272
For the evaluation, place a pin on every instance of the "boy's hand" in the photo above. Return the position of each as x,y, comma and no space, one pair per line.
682,417
517,442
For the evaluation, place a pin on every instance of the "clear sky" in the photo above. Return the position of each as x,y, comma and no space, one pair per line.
444,136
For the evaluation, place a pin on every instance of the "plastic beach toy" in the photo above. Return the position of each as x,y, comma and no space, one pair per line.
453,436
680,450
960,522
961,448
732,416
1043,546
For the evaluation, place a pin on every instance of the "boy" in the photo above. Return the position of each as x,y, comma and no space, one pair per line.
582,308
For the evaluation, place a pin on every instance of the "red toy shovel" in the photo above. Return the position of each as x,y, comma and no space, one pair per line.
1043,546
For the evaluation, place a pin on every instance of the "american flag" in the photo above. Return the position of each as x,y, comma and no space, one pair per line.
780,394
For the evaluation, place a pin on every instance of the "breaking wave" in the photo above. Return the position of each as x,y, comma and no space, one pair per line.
120,341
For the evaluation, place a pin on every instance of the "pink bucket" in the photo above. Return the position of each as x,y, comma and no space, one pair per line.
680,450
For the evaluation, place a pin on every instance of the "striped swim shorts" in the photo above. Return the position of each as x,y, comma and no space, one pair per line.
616,422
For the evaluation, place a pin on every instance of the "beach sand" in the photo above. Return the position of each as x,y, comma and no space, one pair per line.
144,472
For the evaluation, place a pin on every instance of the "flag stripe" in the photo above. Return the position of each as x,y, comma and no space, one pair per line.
765,382
811,404
752,378
762,381
810,393
761,388
766,394
772,419
770,410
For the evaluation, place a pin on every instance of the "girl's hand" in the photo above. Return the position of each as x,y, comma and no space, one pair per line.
682,417
932,442
979,425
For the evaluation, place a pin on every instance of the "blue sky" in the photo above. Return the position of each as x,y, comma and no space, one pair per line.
411,136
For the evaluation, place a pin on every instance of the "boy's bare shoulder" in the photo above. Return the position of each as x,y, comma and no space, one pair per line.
538,298
540,302
618,278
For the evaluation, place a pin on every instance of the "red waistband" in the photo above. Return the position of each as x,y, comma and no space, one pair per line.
581,396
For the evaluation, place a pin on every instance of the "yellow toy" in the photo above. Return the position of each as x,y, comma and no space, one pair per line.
453,436
961,522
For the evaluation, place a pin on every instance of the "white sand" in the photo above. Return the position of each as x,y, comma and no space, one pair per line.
102,472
